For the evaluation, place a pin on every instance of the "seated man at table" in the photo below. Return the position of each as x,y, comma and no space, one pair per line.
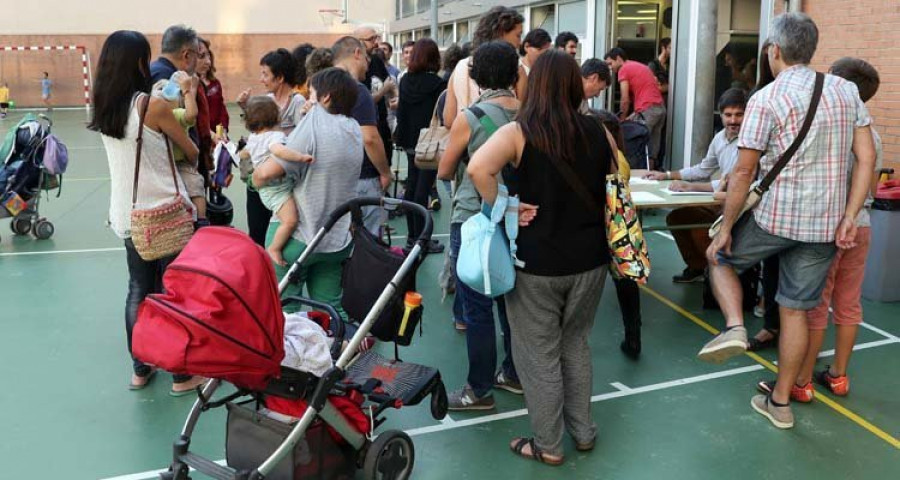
721,157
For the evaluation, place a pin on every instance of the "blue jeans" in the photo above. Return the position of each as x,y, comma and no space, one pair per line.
481,334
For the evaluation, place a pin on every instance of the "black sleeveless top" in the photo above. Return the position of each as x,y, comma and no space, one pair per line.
566,237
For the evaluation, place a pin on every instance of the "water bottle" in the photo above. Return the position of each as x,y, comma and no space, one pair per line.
412,314
172,90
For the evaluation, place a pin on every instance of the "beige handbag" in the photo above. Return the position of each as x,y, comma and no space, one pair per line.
161,231
432,143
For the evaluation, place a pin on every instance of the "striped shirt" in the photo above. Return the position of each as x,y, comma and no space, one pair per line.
807,200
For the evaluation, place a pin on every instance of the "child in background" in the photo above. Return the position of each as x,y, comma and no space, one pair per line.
187,118
847,270
262,119
4,99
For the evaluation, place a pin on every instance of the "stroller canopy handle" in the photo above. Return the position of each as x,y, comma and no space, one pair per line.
357,204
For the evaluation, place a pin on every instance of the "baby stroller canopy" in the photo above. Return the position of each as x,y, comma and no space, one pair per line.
220,316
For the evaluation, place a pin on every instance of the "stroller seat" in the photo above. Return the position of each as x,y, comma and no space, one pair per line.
407,382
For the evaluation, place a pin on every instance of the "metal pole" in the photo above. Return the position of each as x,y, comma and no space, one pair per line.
434,20
705,76
346,5
795,6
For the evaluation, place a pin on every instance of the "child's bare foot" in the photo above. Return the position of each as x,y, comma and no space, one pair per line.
275,254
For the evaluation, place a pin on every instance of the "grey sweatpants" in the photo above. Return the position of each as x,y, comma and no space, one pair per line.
655,119
550,319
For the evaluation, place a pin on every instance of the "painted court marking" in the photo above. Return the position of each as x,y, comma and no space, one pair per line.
62,252
821,397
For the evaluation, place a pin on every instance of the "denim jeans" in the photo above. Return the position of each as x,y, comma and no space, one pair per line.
481,334
144,278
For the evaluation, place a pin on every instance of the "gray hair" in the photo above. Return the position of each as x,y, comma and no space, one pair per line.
177,37
796,35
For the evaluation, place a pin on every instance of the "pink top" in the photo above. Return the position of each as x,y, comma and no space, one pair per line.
642,85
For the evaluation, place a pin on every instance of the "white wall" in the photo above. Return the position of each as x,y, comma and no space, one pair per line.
216,16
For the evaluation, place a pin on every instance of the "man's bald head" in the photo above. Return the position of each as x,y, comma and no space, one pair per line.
368,36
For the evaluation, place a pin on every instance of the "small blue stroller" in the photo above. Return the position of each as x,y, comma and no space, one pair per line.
25,173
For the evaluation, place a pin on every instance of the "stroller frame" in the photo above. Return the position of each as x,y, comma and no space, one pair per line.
296,384
29,219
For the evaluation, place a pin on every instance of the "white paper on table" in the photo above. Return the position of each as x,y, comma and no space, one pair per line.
642,181
672,192
645,197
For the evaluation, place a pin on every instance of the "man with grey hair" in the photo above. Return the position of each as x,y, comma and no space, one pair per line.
180,51
807,213
375,175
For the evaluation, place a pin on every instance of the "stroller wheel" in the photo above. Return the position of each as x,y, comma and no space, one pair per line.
43,229
20,225
390,456
439,402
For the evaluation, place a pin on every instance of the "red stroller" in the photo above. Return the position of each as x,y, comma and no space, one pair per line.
233,332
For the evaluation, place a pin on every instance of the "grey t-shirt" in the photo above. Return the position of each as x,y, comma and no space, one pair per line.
336,144
467,202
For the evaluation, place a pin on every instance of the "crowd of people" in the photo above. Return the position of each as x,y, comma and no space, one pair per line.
519,114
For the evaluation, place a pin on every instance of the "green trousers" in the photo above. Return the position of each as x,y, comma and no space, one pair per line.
320,273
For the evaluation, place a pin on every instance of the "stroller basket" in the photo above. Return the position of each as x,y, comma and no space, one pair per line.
265,445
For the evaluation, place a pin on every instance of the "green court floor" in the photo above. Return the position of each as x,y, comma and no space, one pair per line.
67,413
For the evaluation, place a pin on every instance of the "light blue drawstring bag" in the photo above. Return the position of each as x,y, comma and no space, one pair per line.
487,257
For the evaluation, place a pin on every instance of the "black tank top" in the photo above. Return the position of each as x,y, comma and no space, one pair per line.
566,237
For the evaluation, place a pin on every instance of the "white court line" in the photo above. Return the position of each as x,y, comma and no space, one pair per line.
87,179
59,252
880,332
620,387
522,412
862,346
665,234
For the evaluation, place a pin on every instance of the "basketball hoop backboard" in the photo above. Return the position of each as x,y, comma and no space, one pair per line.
331,15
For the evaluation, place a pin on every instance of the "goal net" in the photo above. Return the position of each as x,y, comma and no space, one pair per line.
68,66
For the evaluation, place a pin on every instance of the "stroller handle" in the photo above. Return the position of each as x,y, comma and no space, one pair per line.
387,203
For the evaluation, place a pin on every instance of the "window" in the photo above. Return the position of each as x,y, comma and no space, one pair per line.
409,8
398,9
446,36
544,17
423,5
462,33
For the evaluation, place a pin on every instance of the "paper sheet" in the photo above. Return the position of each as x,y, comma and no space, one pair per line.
646,197
642,181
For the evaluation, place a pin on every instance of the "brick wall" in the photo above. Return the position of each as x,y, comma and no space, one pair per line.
867,29
237,62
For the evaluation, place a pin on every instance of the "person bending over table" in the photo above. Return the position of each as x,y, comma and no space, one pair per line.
721,156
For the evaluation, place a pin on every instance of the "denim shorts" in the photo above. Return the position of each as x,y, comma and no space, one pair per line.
803,266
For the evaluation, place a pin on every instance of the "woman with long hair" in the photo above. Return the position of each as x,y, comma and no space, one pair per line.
419,92
278,72
561,242
206,70
121,98
499,23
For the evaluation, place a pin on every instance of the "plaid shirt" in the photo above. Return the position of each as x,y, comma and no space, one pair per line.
808,198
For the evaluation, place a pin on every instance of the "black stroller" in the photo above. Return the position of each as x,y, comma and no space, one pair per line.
23,176
322,443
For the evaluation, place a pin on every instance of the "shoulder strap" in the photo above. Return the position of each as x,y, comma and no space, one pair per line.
484,119
804,130
143,106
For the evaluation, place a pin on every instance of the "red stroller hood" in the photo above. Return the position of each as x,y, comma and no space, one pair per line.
220,316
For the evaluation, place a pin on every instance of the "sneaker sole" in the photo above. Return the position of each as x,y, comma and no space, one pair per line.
517,391
722,352
761,387
777,423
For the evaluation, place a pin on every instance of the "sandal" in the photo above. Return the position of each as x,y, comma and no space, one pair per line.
518,447
755,345
140,382
585,447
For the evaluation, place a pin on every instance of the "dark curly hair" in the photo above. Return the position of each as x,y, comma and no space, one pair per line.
497,22
452,55
537,38
300,53
495,65
282,64
318,60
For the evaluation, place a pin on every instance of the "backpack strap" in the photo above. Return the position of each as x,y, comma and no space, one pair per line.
486,122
